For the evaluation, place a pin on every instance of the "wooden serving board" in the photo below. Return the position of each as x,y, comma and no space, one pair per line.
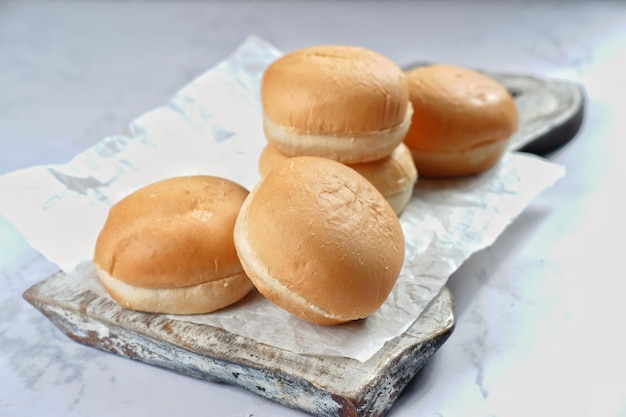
322,386
551,113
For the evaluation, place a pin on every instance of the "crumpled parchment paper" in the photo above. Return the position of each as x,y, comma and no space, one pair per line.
213,126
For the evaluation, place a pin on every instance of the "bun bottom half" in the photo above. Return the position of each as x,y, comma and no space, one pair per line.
280,294
459,164
195,299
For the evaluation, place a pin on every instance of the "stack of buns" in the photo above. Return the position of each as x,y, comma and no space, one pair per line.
319,235
344,103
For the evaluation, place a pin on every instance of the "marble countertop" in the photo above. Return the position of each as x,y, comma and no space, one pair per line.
539,328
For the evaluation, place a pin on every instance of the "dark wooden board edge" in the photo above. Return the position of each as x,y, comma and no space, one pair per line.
554,117
562,131
322,386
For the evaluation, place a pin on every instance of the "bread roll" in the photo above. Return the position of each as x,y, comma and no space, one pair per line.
168,247
394,176
462,120
340,102
320,241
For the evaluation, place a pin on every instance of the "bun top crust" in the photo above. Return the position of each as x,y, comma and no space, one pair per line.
172,233
335,89
325,233
456,108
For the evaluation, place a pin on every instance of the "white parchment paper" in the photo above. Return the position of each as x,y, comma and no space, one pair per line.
213,126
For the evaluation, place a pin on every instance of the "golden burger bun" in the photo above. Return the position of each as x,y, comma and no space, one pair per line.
168,247
462,120
319,240
340,102
394,176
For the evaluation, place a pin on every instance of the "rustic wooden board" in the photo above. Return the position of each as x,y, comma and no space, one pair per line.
550,110
322,386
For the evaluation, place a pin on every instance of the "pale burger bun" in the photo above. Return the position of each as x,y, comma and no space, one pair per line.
319,240
168,247
462,120
340,102
394,176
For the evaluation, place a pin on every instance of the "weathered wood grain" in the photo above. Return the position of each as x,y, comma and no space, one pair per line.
323,386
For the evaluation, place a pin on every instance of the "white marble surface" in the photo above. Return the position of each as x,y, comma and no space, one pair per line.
540,329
